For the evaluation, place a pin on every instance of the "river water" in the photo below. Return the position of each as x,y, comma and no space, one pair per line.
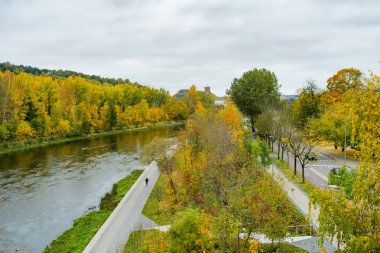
44,189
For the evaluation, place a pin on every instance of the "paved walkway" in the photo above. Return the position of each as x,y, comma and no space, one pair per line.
114,233
144,222
301,201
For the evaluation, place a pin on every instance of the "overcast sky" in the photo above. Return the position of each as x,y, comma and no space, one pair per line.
173,44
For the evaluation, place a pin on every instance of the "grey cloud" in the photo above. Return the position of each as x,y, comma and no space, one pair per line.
173,43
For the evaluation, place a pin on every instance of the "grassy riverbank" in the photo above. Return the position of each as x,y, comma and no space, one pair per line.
84,228
15,146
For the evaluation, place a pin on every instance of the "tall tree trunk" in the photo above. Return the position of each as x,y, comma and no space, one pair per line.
303,173
252,120
173,188
295,165
282,152
278,151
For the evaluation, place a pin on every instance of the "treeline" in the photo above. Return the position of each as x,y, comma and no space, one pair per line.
345,113
58,73
40,106
217,188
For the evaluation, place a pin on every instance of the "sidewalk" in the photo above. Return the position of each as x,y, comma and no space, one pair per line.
301,201
115,232
295,195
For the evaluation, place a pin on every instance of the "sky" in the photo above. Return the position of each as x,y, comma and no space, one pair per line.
173,44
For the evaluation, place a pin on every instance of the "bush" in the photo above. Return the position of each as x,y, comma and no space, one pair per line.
344,179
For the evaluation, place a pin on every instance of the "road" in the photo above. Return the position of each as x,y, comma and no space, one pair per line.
316,172
115,232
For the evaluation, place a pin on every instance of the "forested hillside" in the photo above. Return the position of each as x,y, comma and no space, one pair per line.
39,105
58,73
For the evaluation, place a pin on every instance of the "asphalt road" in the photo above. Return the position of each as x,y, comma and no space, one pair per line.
316,172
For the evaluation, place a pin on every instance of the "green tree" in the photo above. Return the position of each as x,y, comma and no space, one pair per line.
184,232
307,105
254,90
344,179
264,154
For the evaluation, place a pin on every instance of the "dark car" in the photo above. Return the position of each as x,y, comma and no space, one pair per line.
334,171
312,157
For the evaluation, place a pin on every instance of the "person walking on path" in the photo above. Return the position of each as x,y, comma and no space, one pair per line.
146,181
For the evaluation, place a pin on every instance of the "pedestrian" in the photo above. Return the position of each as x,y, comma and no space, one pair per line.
146,181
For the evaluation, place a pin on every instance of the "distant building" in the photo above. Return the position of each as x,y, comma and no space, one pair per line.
181,93
289,98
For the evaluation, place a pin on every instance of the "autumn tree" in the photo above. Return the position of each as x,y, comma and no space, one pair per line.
307,105
354,222
42,106
332,126
341,82
301,146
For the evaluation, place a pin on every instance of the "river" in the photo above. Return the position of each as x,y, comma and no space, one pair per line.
44,189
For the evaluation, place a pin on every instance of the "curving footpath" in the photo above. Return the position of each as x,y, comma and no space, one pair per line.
114,233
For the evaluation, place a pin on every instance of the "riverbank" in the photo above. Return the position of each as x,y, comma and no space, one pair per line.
17,146
84,228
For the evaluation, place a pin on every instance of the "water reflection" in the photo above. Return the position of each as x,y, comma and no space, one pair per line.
44,189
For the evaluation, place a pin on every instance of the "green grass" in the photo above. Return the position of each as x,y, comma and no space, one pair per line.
152,208
84,228
136,239
22,145
307,187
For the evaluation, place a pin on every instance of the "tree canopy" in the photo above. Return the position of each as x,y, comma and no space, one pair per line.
254,90
307,105
41,106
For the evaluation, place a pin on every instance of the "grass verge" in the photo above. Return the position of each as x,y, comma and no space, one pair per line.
350,153
155,208
22,145
84,228
288,171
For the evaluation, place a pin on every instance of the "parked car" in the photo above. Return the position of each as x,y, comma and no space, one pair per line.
334,171
311,157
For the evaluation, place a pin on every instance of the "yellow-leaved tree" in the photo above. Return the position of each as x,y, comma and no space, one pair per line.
355,223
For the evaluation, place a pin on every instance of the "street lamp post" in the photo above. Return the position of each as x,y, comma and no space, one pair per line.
345,140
